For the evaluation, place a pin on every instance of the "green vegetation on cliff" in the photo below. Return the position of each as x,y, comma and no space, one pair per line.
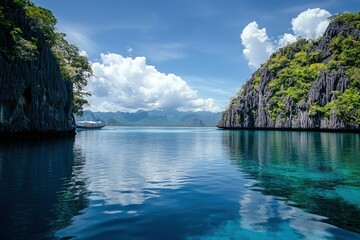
298,65
348,18
306,84
28,35
294,72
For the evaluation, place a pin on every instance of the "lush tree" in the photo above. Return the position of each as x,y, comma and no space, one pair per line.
42,20
74,66
346,106
24,49
295,67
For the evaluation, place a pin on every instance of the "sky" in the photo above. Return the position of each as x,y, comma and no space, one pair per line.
188,55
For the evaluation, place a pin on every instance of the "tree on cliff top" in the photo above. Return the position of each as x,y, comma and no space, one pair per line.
25,45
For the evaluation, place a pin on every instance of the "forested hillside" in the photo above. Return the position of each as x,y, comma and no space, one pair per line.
310,84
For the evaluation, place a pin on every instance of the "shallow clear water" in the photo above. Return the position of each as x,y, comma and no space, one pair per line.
182,183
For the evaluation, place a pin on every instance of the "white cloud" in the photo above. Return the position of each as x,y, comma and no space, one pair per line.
129,84
286,39
257,45
309,24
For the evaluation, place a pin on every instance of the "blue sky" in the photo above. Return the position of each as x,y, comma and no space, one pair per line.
185,55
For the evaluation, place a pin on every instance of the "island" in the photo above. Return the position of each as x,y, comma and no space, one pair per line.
307,85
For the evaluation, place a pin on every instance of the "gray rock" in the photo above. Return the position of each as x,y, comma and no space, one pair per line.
253,103
34,99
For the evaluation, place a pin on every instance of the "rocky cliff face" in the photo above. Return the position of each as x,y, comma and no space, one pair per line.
34,99
265,100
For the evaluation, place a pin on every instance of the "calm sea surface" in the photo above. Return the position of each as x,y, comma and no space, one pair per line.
182,183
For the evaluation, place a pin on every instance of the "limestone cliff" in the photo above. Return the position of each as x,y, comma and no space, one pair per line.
34,98
311,85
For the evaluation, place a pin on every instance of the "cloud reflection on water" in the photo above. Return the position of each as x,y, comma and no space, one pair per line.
143,163
303,169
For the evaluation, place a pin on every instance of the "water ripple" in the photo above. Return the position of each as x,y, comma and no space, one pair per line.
182,183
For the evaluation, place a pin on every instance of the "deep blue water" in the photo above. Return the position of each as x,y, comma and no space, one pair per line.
182,183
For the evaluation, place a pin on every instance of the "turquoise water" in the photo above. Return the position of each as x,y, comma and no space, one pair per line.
182,183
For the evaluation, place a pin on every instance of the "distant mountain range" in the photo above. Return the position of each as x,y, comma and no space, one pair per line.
155,118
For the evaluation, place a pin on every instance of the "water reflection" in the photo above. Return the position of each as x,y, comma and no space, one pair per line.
72,197
130,165
33,176
318,172
150,183
146,183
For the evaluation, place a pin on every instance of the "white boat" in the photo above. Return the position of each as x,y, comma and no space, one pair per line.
89,124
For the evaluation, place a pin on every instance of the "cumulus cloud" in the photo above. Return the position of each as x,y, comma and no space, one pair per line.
309,24
286,39
129,84
258,46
